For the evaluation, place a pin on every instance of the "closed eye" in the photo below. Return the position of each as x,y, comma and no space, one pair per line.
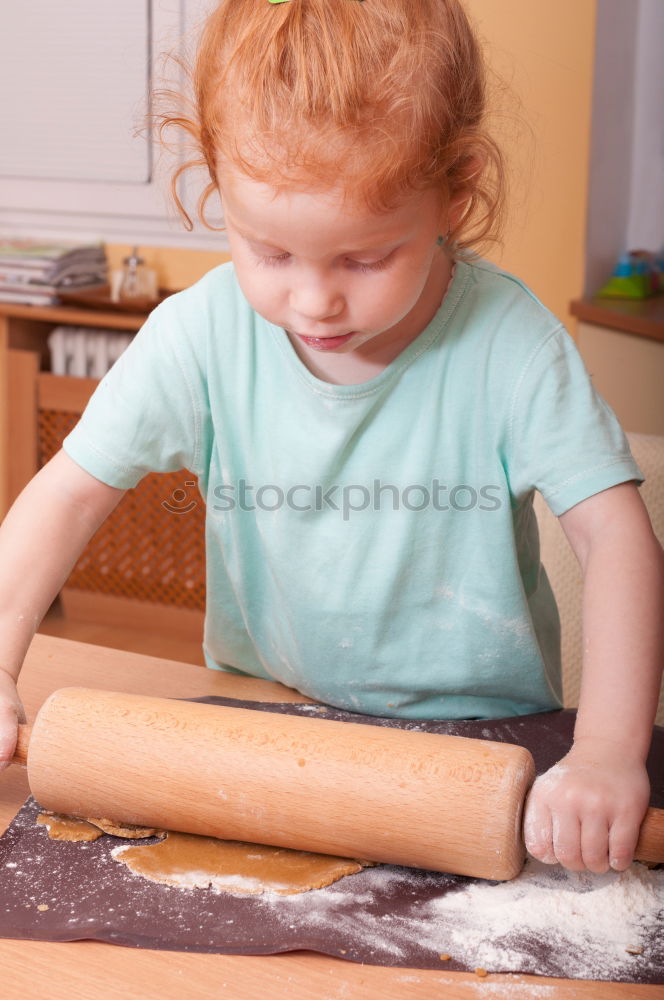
276,258
375,265
366,267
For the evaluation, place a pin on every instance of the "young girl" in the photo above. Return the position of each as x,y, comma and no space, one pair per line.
369,408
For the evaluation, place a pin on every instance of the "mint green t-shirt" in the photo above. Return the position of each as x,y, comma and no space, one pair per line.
372,545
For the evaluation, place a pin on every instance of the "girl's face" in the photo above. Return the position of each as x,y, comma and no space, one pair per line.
337,277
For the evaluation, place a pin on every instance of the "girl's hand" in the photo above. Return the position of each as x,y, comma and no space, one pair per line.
11,713
586,811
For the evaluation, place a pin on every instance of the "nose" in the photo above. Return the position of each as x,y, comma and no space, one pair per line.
312,297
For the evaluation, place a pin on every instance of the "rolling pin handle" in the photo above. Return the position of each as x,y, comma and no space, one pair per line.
651,840
22,745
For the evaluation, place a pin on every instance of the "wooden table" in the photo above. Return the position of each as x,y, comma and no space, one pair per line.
89,970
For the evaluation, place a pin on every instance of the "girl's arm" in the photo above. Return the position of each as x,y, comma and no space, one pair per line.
41,538
586,811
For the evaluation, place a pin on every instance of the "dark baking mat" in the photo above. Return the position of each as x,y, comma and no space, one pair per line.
388,915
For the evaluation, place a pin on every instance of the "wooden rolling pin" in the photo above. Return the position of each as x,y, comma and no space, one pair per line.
445,803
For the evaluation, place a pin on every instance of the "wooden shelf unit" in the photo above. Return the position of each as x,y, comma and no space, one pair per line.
168,597
639,317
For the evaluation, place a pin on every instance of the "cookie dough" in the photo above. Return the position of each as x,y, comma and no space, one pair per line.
71,828
66,828
192,862
125,830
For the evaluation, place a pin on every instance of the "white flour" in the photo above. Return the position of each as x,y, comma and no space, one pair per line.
595,921
549,920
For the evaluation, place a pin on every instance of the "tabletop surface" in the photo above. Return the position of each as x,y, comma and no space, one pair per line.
642,317
88,969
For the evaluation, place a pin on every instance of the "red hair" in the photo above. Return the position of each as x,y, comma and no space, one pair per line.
388,95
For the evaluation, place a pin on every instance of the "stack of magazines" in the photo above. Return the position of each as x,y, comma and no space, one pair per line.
34,273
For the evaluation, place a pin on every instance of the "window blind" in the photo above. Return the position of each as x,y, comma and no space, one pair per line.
73,88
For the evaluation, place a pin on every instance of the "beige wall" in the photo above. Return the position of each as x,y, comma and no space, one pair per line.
545,51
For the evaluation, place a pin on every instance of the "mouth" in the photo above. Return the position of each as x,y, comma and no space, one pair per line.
325,343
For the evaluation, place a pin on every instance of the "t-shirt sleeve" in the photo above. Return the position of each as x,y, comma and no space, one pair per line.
144,415
565,440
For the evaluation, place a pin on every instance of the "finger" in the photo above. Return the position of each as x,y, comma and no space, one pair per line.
595,844
567,841
623,837
538,831
8,734
7,747
9,699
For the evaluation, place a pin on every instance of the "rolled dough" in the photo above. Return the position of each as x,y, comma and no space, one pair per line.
72,828
66,828
191,862
125,830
